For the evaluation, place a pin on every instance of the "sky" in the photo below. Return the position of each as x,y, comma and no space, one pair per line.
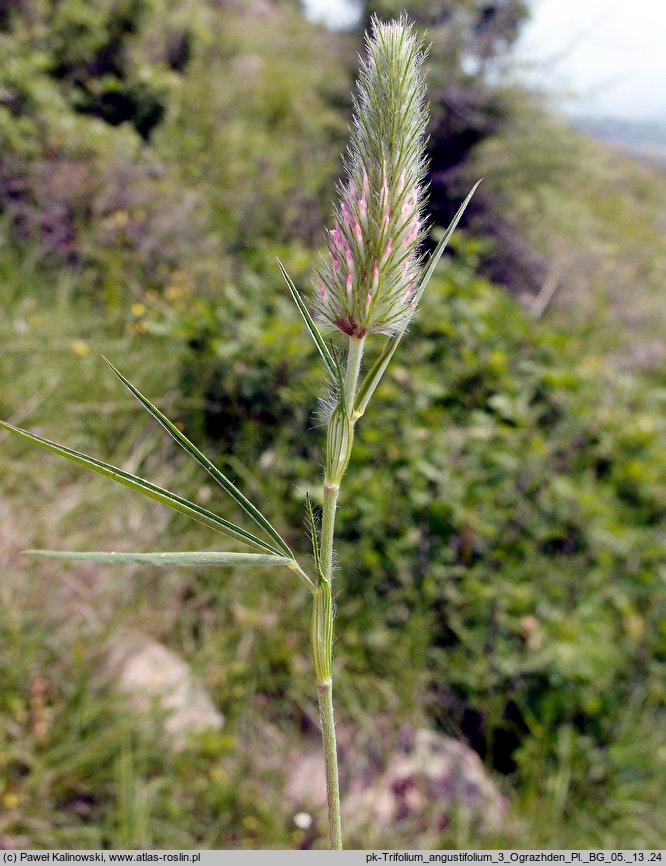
603,57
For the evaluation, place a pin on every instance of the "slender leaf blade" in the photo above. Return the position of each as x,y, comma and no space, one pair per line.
201,458
331,364
200,558
148,489
375,373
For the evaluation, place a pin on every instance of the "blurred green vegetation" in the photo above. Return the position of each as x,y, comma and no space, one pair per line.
501,532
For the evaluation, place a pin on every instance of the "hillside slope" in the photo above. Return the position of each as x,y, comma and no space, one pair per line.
598,219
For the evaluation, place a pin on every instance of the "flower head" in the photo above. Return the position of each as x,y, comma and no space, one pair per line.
366,282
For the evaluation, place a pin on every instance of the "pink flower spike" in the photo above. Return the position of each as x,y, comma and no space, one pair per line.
413,230
384,194
375,277
376,226
409,205
340,241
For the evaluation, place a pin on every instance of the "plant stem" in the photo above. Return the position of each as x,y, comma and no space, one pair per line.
322,648
322,631
325,695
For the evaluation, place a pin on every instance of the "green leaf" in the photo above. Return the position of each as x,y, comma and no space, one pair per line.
375,373
374,376
331,364
201,558
201,458
152,491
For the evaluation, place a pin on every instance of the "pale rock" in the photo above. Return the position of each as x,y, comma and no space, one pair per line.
150,677
434,774
428,778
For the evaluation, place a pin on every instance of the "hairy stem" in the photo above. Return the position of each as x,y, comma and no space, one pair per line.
322,648
322,623
325,695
